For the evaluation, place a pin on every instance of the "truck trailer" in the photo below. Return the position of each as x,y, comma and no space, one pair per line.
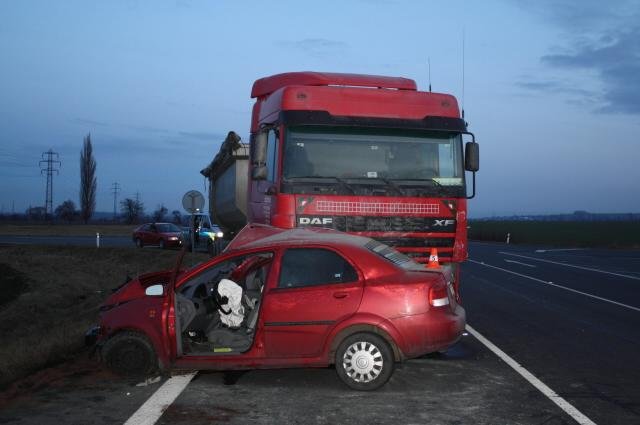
363,154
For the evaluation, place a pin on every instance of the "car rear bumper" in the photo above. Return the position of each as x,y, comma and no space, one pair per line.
432,331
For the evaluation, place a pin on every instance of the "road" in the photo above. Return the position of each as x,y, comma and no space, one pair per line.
569,317
585,348
106,241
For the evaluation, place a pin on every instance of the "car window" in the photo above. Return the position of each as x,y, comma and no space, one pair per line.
200,284
314,266
145,228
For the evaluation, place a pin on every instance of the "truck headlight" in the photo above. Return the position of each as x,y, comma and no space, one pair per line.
219,234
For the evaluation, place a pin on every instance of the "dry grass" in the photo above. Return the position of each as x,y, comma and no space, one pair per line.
65,285
67,229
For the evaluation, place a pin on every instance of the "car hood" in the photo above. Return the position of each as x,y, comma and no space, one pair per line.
135,288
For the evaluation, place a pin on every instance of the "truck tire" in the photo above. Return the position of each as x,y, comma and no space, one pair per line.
139,243
364,361
130,353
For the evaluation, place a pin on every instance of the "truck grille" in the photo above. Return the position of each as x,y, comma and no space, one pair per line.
379,224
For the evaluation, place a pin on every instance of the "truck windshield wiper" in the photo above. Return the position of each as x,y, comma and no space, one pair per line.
390,184
337,179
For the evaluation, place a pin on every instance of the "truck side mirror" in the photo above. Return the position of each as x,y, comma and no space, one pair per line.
259,157
472,156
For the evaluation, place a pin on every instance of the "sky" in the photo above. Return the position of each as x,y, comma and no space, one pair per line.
551,89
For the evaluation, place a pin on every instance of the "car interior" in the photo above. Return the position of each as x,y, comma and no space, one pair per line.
217,310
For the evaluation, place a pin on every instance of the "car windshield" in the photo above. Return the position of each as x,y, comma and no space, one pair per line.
397,155
167,228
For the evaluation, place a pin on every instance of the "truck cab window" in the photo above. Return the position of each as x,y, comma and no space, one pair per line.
272,155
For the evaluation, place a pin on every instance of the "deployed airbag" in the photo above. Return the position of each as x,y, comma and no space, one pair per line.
233,292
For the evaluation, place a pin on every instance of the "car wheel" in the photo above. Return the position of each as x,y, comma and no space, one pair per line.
130,353
139,243
162,244
364,361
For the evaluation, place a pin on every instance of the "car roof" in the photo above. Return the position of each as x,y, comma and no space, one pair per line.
260,235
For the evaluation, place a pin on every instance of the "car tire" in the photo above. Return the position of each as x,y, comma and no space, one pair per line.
139,243
162,244
130,354
364,361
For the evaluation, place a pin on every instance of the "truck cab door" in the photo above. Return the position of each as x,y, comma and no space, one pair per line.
263,202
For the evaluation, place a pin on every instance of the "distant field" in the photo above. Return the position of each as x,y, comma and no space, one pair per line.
613,234
67,229
51,294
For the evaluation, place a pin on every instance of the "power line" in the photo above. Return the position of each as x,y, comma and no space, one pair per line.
115,189
48,165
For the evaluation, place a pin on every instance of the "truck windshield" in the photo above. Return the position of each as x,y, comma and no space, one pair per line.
373,154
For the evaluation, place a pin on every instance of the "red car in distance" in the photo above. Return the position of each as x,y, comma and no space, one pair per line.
164,235
277,298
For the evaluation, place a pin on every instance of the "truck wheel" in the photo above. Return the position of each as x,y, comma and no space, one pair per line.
364,361
162,244
139,243
130,353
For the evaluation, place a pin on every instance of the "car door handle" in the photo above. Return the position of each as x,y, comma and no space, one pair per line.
340,295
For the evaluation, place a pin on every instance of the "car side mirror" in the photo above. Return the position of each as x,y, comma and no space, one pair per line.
154,290
259,160
472,156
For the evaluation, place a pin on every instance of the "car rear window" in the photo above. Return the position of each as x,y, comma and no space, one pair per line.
390,254
314,266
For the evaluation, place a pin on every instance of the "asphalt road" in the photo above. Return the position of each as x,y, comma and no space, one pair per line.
587,349
106,241
578,335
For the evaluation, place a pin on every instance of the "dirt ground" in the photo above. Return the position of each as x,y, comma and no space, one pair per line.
57,297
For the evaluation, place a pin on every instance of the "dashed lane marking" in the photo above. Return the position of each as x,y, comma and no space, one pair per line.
154,407
572,265
518,262
557,286
577,415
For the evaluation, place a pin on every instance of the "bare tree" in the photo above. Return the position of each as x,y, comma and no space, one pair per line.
88,180
66,211
158,215
177,217
132,210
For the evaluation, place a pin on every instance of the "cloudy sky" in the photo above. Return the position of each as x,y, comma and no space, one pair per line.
552,89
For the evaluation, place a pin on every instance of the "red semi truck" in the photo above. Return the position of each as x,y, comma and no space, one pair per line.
363,154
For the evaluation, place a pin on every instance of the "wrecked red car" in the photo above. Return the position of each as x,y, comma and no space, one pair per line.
279,298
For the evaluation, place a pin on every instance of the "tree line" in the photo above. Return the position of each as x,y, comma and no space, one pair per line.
132,210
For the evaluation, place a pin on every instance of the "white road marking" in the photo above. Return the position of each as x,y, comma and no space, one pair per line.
572,265
154,407
557,286
561,249
540,386
518,262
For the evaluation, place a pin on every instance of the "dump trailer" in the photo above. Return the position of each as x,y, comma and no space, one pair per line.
227,175
364,154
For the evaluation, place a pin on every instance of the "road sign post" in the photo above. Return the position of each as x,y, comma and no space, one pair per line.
193,202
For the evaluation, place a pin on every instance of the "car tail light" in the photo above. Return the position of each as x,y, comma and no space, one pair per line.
438,296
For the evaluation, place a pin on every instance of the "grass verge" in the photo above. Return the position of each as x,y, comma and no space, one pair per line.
56,298
610,234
